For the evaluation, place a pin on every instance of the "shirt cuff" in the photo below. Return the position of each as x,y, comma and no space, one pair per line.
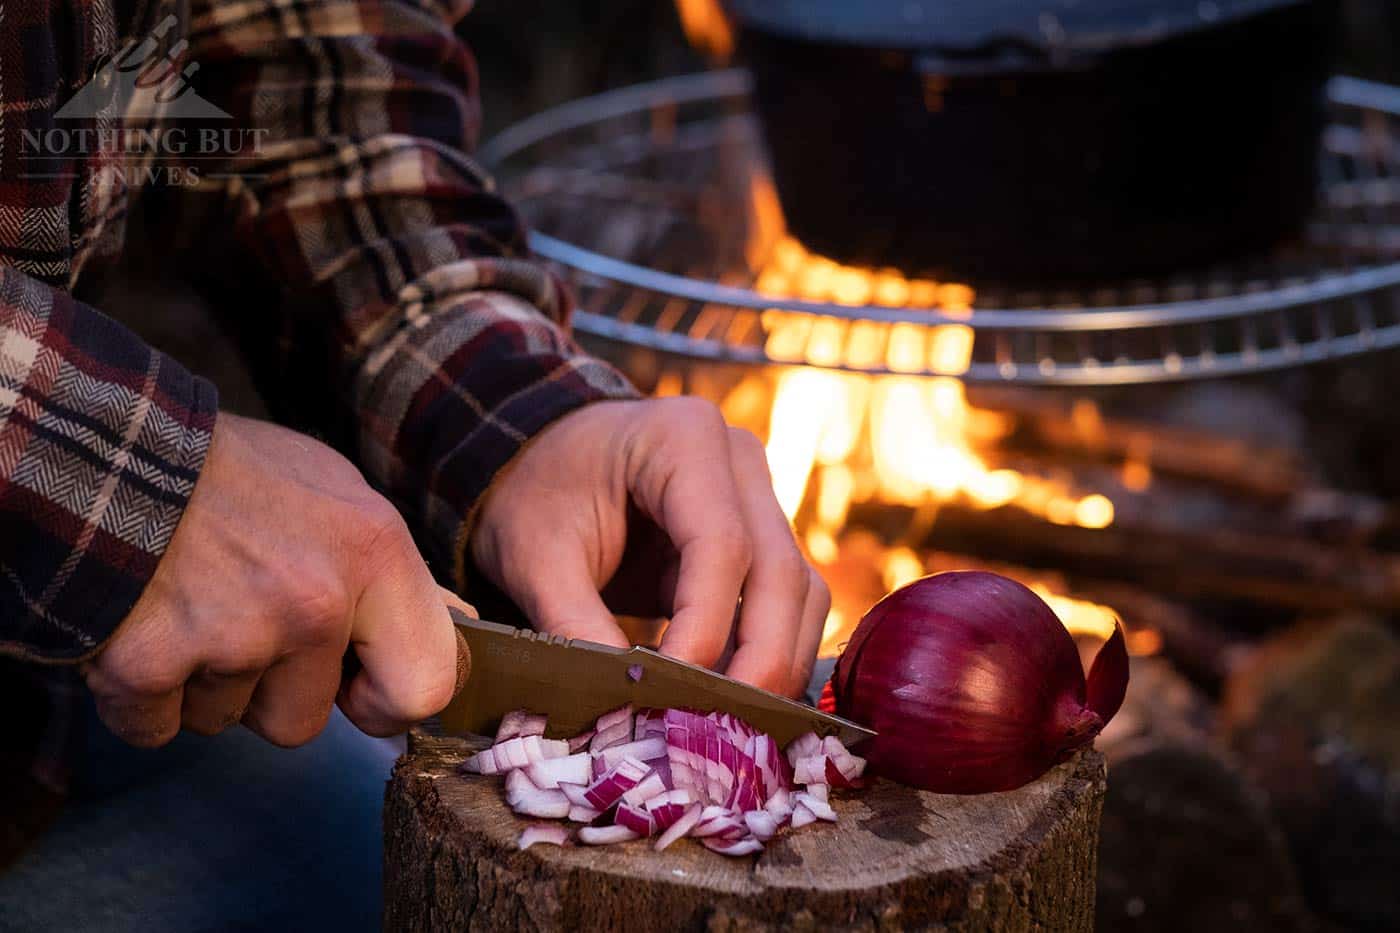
110,437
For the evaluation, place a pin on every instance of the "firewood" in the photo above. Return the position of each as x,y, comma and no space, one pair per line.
1049,421
1292,573
897,858
1188,842
1313,718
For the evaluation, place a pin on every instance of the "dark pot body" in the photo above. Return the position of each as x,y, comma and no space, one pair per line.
1010,163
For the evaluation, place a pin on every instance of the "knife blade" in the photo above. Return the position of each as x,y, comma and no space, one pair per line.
573,682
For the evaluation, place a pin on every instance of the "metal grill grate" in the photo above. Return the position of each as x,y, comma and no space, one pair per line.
647,199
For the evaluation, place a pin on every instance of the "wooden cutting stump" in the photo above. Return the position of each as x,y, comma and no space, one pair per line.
896,859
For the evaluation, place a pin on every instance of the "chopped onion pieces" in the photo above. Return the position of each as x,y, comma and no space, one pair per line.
548,833
667,773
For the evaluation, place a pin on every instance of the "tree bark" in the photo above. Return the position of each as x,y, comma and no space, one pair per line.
897,858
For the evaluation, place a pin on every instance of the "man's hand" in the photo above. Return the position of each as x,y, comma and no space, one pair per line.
655,508
284,557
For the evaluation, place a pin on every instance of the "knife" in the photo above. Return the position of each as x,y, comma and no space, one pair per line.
573,682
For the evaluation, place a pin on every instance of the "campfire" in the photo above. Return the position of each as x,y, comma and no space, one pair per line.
909,430
838,439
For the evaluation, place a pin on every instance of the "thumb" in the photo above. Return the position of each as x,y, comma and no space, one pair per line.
408,650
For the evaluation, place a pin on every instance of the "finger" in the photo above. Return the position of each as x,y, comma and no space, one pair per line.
552,584
215,701
137,681
403,637
293,699
770,621
147,721
689,491
814,612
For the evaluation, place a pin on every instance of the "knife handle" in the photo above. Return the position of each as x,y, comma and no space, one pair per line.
350,664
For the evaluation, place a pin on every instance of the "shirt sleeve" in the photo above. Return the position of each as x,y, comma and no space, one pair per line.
389,246
101,441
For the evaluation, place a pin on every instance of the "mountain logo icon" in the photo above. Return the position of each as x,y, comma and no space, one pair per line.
140,82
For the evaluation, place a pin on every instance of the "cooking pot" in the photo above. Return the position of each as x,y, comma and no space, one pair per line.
1040,141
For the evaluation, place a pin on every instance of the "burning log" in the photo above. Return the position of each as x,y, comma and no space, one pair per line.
1075,428
1217,563
896,859
865,569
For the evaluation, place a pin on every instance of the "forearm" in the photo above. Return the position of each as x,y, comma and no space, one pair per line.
101,441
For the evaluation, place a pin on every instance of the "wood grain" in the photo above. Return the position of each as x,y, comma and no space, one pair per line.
897,859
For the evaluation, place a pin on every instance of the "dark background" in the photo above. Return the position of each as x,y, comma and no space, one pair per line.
536,53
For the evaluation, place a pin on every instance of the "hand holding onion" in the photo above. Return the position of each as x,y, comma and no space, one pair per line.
973,684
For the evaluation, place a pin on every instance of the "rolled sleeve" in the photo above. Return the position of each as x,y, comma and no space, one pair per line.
101,441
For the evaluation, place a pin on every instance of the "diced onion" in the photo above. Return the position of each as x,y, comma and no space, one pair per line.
667,773
550,833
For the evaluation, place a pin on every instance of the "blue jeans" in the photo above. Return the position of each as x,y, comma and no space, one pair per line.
224,833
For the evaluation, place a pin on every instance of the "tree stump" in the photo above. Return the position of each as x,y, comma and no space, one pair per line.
897,859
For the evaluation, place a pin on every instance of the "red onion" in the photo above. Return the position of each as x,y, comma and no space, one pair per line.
535,833
634,818
550,773
646,749
609,788
680,827
673,772
579,813
973,685
605,835
734,847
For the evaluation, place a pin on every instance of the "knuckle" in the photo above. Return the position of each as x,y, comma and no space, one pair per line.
733,537
746,443
319,609
427,694
381,520
429,700
382,533
789,566
244,649
691,412
150,679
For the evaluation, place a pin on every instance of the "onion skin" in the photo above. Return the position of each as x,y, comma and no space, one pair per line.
1108,676
973,685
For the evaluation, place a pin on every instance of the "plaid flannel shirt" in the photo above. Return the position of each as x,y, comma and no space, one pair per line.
438,346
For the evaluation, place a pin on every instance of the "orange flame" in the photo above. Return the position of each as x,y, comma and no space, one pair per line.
913,432
837,438
706,27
